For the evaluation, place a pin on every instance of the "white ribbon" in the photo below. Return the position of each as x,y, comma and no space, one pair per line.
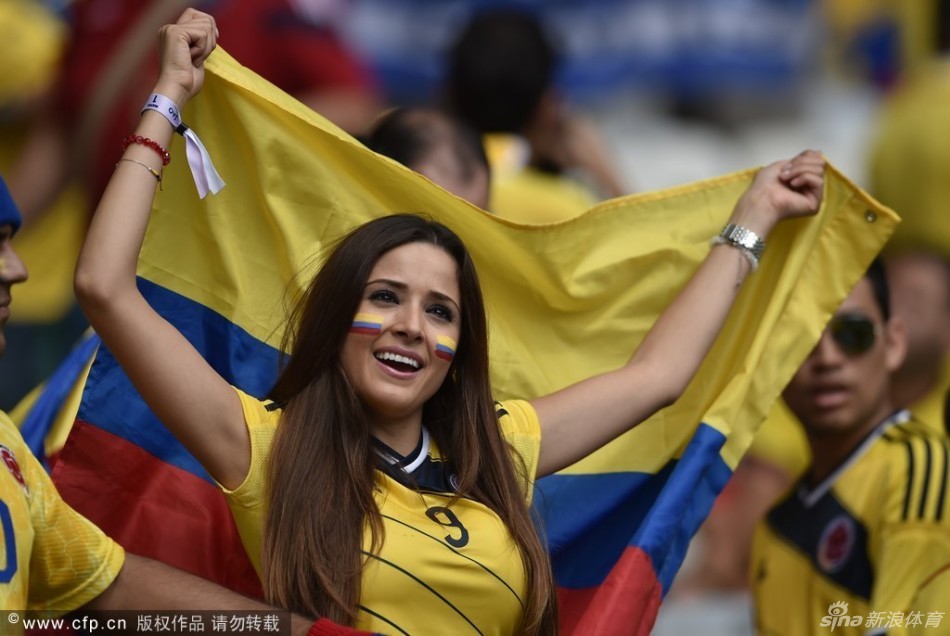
206,177
203,171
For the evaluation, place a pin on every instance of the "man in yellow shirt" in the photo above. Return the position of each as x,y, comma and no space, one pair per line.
862,543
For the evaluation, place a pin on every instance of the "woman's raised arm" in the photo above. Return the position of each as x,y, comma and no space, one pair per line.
583,417
186,394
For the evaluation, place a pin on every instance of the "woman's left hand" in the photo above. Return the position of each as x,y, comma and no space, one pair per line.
781,190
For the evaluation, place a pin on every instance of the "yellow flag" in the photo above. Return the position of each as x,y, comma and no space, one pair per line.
565,301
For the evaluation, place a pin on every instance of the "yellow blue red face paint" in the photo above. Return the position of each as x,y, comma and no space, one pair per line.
445,348
368,324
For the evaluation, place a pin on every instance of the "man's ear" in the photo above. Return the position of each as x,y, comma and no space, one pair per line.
895,343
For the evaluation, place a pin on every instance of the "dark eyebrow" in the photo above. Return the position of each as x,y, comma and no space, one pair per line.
447,299
386,281
403,286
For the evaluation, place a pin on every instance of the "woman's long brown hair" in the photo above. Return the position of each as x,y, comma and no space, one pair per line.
321,471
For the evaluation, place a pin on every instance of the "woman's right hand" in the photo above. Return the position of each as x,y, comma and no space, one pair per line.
183,48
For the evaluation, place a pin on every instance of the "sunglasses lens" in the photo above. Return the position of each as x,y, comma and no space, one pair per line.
854,334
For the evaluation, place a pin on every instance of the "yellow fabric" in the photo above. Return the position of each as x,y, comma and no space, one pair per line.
565,300
526,195
910,158
31,42
480,582
918,25
533,197
48,247
522,430
781,441
63,561
930,408
894,492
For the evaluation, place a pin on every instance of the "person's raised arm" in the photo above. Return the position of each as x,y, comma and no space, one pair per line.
189,397
583,417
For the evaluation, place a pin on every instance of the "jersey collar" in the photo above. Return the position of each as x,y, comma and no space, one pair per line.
811,497
409,462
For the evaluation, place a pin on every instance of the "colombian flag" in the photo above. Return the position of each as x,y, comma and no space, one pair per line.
565,301
46,414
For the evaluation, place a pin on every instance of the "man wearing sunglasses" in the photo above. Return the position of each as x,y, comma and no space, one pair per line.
861,544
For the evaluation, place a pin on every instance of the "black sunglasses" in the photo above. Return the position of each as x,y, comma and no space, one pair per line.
854,333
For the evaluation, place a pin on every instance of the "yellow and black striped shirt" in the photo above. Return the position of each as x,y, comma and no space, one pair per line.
442,569
875,535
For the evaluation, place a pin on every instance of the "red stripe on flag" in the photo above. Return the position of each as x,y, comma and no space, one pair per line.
626,603
152,508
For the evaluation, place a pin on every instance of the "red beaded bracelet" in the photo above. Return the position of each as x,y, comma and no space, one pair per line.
145,141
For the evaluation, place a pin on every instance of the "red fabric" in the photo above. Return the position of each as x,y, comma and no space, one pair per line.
267,36
325,627
170,530
626,603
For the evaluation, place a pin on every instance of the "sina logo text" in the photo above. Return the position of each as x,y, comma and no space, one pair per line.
838,617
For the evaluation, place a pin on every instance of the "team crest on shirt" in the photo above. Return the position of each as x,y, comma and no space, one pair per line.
837,540
9,460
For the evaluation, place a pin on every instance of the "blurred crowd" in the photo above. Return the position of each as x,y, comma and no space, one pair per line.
518,136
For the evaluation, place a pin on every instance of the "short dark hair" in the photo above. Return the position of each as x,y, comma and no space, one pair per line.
408,135
877,276
499,68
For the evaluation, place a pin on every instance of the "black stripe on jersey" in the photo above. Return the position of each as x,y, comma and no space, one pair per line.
933,463
384,619
464,556
926,487
942,496
910,479
500,411
425,585
802,526
273,406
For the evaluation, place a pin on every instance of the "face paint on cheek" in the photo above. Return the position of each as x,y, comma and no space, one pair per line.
367,324
445,348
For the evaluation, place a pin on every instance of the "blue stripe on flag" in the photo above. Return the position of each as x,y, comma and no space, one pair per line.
39,420
112,403
589,519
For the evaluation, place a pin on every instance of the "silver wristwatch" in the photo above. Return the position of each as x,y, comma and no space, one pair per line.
744,238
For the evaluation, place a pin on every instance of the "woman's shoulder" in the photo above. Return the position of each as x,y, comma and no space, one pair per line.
259,411
517,416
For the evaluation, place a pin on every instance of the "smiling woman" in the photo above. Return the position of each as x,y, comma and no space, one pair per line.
380,485
368,389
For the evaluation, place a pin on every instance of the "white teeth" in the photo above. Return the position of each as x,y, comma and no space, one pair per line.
395,357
